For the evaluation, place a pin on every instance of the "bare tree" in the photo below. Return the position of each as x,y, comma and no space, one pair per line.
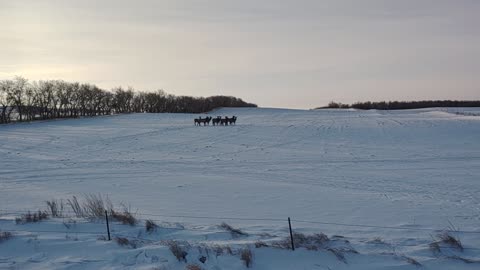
6,107
16,95
57,99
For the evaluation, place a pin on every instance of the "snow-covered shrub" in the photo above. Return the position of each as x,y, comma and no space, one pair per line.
178,250
123,241
150,226
4,236
233,231
246,256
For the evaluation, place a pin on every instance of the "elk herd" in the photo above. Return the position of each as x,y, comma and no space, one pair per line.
217,121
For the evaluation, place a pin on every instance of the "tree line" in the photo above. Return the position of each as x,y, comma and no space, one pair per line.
21,100
401,105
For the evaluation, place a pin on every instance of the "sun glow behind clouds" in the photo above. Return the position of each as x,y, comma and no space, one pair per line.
277,53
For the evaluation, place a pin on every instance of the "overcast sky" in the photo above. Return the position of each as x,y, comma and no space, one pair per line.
276,53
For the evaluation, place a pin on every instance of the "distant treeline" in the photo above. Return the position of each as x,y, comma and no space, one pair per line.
21,100
402,105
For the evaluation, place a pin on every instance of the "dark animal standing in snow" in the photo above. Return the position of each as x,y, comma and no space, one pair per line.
205,121
232,120
224,121
216,121
196,121
209,118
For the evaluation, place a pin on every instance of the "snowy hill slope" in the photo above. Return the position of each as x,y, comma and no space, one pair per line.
413,169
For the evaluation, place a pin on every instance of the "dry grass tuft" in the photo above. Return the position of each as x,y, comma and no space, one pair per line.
377,241
412,261
4,236
161,267
76,207
233,231
446,239
95,205
125,217
320,238
32,218
123,241
150,226
434,247
220,250
177,250
246,256
69,223
339,254
203,259
193,267
260,244
55,207
465,260
300,240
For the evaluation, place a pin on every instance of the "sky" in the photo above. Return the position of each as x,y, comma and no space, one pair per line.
275,53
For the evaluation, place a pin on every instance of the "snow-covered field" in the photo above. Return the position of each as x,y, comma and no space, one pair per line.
385,180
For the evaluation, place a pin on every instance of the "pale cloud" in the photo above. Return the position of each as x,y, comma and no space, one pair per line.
277,53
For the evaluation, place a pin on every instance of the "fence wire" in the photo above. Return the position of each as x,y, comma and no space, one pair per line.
282,220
